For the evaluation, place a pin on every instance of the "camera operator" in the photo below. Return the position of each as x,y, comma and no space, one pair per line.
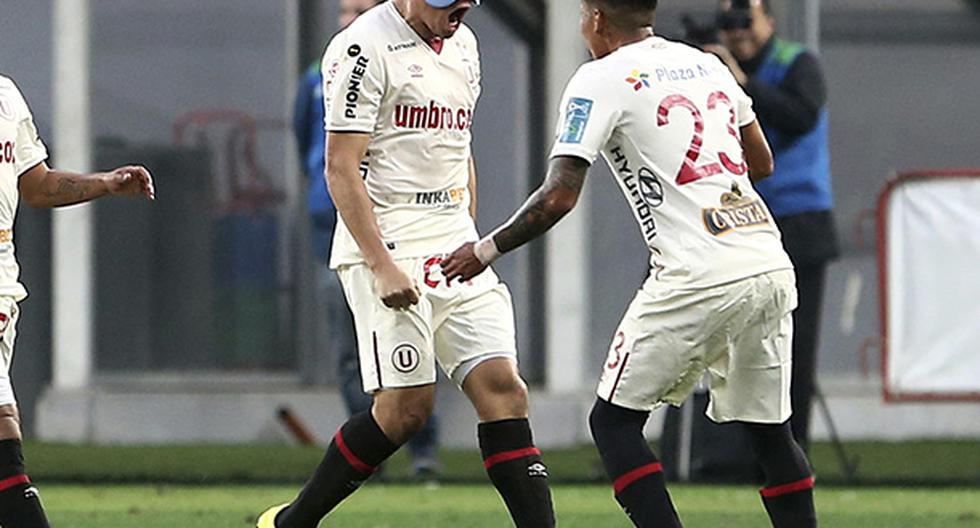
787,86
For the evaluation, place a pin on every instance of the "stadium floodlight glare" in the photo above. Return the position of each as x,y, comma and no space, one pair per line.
446,3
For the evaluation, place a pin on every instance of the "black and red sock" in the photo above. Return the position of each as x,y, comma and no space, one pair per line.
788,493
353,456
20,504
516,470
637,475
790,505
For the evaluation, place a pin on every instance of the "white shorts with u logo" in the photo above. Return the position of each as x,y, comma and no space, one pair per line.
9,312
458,325
740,334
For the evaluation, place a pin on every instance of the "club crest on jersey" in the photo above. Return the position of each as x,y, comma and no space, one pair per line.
406,358
737,211
6,109
577,115
638,80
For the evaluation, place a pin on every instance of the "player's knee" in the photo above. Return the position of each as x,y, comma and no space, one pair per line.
402,416
608,421
510,394
9,422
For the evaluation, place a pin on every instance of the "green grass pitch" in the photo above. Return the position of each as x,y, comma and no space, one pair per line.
477,506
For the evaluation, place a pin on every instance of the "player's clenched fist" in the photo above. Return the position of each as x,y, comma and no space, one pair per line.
130,180
396,288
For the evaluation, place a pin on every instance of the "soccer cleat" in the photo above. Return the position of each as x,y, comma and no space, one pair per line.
268,517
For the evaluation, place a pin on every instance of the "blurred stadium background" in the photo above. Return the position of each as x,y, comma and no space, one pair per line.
193,321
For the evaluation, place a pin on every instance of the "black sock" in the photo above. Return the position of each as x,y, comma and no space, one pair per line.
354,454
20,505
516,470
788,493
637,475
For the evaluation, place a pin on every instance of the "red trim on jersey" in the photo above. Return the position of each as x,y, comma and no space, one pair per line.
352,459
14,481
436,44
507,456
624,481
784,489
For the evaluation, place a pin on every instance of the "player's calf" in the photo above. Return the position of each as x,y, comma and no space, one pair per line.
20,504
637,475
788,492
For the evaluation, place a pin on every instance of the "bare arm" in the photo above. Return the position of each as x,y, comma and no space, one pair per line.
757,152
543,209
44,187
344,154
472,186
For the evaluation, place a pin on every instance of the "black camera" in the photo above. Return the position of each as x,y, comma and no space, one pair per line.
739,16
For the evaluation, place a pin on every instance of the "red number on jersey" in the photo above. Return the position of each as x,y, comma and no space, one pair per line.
689,171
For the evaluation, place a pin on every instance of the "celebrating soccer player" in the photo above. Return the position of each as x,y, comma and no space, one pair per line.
684,144
25,173
400,87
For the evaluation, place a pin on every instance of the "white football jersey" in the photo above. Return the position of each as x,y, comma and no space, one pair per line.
20,150
666,118
381,78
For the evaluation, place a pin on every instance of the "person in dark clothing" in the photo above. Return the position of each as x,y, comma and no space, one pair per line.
787,85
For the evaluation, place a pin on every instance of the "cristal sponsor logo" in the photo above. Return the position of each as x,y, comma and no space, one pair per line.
736,212
405,358
433,117
450,197
645,192
355,82
537,469
7,152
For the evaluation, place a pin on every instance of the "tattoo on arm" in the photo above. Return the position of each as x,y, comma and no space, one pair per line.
549,204
69,188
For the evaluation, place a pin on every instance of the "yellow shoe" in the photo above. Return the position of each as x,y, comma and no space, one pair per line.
268,517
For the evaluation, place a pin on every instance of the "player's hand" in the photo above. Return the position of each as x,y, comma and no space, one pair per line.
396,288
726,57
131,180
462,264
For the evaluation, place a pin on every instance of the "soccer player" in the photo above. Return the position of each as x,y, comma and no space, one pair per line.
682,139
311,140
25,173
401,84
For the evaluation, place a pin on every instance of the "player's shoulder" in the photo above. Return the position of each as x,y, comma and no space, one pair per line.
372,27
7,82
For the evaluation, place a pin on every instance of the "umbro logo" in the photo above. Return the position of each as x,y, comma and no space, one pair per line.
537,469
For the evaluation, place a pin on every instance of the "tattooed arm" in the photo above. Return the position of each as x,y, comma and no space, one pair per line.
543,209
44,187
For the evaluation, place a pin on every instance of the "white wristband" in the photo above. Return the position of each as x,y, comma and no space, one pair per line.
486,250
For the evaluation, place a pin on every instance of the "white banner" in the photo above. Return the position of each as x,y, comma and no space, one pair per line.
932,297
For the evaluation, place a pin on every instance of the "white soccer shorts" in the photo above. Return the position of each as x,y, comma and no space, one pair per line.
460,325
739,333
9,312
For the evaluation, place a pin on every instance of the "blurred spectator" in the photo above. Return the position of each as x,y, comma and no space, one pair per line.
787,84
311,140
